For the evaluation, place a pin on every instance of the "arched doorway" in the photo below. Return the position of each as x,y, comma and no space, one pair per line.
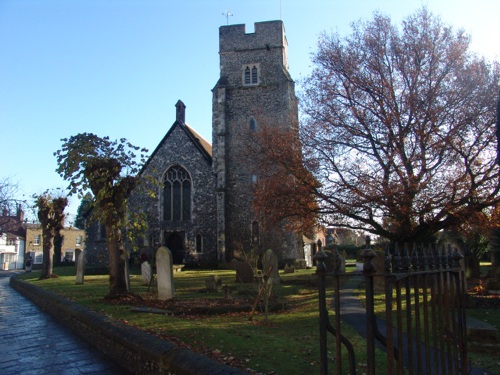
175,242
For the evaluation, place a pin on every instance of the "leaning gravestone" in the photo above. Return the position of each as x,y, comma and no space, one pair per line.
146,273
244,272
164,271
270,266
80,266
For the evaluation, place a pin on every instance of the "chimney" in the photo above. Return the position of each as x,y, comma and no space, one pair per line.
20,213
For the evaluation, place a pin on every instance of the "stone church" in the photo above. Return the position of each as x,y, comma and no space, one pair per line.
202,205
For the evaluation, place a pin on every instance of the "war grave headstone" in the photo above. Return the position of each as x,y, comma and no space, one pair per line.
164,271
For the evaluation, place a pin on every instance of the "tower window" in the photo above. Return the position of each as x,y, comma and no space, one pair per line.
254,75
253,124
176,194
251,74
247,76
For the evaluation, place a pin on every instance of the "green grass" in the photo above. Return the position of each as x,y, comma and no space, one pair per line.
287,343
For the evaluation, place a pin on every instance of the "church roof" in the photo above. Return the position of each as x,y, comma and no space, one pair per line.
201,144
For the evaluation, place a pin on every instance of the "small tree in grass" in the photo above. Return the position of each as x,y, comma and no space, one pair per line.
109,170
51,217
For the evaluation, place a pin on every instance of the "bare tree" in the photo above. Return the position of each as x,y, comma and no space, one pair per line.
400,127
9,192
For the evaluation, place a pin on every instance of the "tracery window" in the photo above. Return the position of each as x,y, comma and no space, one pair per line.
176,194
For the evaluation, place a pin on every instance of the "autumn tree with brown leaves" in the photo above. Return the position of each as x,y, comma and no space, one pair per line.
51,217
283,191
109,169
400,127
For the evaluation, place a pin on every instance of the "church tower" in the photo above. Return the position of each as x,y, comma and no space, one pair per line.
254,88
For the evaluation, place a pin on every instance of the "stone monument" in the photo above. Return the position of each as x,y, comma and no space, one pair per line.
146,273
164,271
80,266
270,266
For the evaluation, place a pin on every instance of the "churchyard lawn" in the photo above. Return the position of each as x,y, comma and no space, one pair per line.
217,323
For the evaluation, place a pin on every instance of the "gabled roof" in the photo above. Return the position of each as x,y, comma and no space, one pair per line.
200,143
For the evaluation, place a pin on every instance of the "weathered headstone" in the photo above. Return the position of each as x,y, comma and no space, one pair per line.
164,271
146,273
232,264
270,266
213,283
244,272
80,266
289,268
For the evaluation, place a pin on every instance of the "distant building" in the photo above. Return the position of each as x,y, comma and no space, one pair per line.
12,240
72,239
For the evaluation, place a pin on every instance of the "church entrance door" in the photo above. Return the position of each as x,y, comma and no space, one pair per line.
175,242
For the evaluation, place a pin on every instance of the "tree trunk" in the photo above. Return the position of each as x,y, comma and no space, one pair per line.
48,253
117,258
57,249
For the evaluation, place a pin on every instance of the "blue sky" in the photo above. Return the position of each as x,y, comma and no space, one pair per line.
117,67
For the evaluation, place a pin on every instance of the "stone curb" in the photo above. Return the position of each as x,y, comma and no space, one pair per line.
135,351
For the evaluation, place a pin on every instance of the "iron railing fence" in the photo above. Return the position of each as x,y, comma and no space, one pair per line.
422,328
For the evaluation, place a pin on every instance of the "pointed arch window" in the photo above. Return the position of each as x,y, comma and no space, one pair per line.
247,75
251,74
176,194
254,75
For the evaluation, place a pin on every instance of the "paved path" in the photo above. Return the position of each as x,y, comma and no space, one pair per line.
354,314
33,343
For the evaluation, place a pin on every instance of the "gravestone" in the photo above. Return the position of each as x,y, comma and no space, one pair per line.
146,273
213,283
289,268
80,266
244,272
164,271
232,264
270,266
